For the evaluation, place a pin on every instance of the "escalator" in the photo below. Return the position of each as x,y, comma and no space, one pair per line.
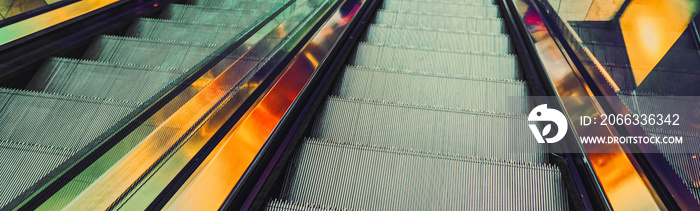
320,105
419,119
654,93
72,106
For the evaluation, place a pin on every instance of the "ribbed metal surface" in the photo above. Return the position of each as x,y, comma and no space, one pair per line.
102,80
237,16
473,10
420,88
422,119
366,177
451,41
424,59
215,34
75,102
428,129
51,119
442,22
38,131
168,54
237,3
278,205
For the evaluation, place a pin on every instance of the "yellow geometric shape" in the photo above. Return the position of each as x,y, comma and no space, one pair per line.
650,28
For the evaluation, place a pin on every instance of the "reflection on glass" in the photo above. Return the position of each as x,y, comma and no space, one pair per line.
650,28
624,186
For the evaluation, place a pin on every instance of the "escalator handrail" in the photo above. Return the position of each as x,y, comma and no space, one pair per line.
588,186
34,12
653,165
250,191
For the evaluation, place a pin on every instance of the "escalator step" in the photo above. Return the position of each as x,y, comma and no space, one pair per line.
102,80
148,28
496,66
249,4
485,11
476,2
376,178
428,129
64,121
24,164
489,43
420,88
279,205
233,17
167,54
440,22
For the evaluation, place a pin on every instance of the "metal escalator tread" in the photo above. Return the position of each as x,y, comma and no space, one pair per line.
236,3
497,66
439,22
420,88
50,119
393,35
422,120
366,177
233,16
103,80
35,129
77,102
486,11
427,129
160,29
168,54
279,205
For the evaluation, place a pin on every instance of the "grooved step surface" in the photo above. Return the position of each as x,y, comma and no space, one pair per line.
423,88
278,205
58,120
428,129
485,11
236,16
247,4
370,178
183,31
489,43
440,22
440,62
102,80
177,55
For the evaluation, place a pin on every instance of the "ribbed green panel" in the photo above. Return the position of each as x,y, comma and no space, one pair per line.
58,120
367,177
473,2
102,80
22,164
247,4
439,22
39,131
168,54
428,129
484,11
234,16
184,31
422,88
495,66
451,41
